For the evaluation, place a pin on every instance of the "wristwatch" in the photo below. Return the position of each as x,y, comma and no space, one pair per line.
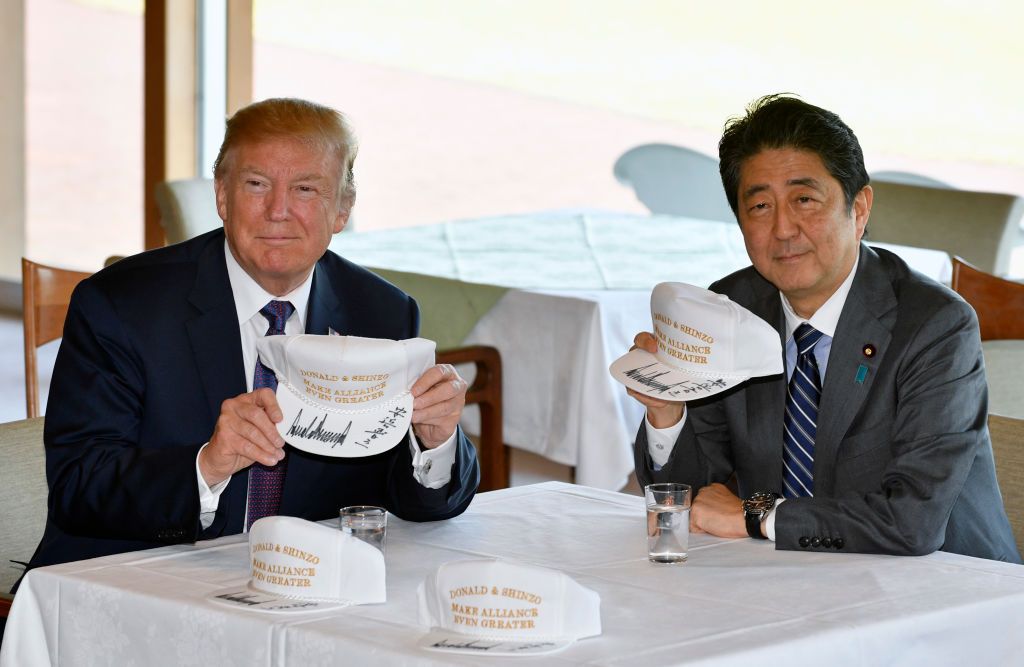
755,508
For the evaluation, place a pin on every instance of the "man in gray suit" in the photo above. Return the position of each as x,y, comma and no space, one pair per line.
875,439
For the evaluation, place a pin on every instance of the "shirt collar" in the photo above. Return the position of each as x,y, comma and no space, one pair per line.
826,318
250,297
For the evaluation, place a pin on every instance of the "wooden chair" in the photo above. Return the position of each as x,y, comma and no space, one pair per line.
22,500
46,293
1000,307
485,392
1008,448
999,303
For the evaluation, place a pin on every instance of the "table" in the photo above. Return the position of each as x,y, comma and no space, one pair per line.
580,290
735,602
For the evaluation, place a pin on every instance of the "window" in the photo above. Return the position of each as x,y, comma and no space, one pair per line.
83,131
467,108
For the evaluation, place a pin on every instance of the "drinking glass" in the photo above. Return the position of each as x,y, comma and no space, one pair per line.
365,522
668,522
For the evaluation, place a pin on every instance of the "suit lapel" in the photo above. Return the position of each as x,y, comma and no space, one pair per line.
324,311
867,318
217,350
213,332
766,401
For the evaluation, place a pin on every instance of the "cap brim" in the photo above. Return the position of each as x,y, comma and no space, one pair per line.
248,598
342,433
454,642
642,372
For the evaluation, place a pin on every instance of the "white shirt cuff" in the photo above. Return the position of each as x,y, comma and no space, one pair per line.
661,441
432,468
769,521
209,498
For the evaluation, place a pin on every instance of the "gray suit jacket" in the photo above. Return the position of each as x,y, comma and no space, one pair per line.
903,462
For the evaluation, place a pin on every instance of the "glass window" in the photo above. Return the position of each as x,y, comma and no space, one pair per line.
467,108
83,130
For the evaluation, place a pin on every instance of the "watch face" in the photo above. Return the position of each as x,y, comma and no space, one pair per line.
761,501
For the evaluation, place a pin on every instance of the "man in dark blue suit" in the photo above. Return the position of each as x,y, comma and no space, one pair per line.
153,425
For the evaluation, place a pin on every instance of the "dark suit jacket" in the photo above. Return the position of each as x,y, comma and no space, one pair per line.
903,461
151,349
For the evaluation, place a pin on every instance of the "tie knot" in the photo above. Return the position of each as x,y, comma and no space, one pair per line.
277,313
806,338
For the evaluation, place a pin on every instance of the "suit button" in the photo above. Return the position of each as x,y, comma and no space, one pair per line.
826,542
815,541
804,542
838,543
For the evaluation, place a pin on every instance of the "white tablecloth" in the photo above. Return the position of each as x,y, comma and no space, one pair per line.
735,602
559,400
581,292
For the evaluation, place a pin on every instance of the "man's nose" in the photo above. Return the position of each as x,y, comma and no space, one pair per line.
277,204
784,227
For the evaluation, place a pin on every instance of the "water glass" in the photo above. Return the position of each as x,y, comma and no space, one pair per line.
365,522
668,522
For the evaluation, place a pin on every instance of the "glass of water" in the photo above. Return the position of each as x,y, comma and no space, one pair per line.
366,522
668,522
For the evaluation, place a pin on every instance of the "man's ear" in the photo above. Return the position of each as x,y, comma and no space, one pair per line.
862,209
344,212
341,220
220,190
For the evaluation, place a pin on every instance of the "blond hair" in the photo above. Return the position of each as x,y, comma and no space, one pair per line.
306,121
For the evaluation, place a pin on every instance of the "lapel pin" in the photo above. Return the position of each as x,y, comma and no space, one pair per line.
869,350
862,372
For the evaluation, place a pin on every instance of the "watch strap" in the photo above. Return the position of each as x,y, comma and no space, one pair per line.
753,520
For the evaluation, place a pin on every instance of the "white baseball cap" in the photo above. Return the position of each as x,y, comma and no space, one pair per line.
345,396
706,344
301,566
493,607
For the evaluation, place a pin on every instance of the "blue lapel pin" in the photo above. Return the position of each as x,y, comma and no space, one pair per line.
862,373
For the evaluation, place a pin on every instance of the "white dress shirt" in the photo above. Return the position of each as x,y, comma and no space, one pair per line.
660,442
432,468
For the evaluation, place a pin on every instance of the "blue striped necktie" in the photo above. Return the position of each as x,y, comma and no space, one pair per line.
801,420
266,483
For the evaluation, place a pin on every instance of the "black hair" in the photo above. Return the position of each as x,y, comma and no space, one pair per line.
784,121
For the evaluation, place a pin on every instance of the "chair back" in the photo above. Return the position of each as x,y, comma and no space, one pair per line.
22,496
1008,448
188,208
979,226
485,391
908,177
672,180
999,303
46,293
